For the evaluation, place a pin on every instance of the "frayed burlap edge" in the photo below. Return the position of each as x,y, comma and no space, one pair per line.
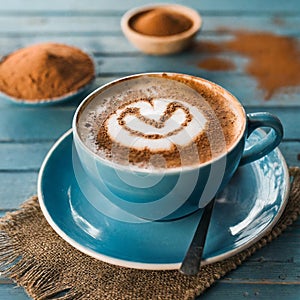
36,258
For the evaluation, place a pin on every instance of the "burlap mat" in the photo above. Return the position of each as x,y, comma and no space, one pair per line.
35,257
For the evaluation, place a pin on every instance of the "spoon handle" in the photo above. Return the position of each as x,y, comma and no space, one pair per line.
192,260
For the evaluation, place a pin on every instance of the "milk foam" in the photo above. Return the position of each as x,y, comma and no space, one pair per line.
139,134
152,114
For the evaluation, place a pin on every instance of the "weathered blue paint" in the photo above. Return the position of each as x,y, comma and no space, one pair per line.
26,134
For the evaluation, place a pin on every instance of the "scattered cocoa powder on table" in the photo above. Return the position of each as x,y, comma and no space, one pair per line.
274,60
216,64
45,71
160,22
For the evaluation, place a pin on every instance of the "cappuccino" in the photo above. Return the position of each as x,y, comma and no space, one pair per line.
160,121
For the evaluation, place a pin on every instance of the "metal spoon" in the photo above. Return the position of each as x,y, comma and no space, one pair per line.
192,260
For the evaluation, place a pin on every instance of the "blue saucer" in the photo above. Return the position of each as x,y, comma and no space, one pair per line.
247,209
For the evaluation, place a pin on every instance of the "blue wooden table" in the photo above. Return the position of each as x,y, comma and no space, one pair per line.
26,134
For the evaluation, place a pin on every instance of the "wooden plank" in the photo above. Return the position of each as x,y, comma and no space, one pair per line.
106,44
281,272
220,290
226,290
184,62
18,156
10,291
60,25
23,124
291,152
103,5
16,187
63,25
110,45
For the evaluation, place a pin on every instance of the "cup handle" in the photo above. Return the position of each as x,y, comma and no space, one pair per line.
267,143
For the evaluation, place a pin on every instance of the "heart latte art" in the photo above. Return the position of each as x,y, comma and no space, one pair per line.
154,124
153,121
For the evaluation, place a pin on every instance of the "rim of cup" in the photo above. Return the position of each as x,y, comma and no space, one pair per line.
172,170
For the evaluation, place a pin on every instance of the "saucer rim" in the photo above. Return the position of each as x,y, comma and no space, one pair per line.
153,266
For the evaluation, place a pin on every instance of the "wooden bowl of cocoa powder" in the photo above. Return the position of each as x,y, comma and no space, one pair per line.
161,29
46,73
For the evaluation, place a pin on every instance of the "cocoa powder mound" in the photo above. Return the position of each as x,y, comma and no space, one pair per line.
160,22
274,60
45,71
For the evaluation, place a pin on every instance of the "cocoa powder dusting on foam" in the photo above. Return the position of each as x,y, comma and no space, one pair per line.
274,60
201,145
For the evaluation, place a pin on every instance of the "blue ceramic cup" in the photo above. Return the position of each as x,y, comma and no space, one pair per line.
170,193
